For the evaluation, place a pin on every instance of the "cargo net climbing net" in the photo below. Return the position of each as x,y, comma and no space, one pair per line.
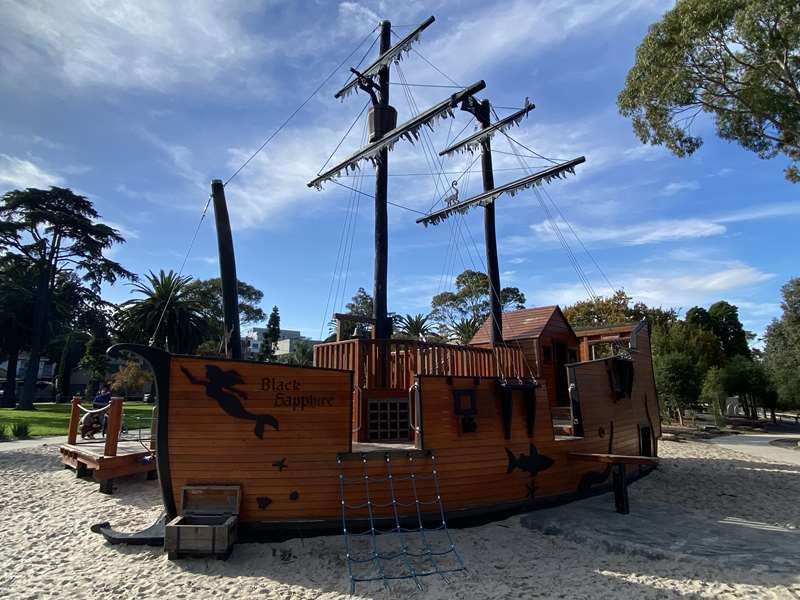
393,523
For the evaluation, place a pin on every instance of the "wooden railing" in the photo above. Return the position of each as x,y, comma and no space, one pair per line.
392,364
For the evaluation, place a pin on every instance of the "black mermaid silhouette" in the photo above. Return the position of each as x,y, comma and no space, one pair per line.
220,387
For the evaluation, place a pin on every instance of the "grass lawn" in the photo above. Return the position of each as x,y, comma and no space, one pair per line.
53,419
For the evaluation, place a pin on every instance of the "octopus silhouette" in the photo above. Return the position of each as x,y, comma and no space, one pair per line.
220,387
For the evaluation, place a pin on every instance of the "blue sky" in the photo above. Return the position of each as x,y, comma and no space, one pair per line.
139,105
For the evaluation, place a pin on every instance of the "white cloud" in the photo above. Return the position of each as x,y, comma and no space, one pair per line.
124,230
678,289
19,173
274,182
765,211
647,232
147,44
636,234
522,28
679,186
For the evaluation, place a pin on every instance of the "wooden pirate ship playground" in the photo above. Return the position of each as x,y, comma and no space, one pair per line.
399,436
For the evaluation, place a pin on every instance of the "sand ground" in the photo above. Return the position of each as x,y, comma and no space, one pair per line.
48,550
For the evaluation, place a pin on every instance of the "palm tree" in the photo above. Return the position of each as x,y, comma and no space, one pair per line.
414,326
183,325
463,330
301,356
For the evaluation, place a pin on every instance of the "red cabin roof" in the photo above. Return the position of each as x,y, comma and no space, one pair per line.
520,324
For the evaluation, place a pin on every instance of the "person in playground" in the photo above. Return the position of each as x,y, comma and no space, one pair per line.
101,400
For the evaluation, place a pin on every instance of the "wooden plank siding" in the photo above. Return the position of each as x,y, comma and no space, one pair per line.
404,359
206,445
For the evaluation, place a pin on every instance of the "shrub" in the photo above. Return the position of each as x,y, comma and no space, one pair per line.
20,430
3,432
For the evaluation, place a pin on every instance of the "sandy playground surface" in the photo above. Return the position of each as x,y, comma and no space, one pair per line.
48,550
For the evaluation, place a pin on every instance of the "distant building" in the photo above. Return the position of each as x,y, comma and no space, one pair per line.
288,339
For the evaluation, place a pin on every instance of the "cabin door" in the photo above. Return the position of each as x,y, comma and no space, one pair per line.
559,362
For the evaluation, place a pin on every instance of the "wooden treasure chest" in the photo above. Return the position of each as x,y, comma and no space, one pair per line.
207,523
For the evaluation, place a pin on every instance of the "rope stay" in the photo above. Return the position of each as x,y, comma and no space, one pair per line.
433,158
243,165
384,546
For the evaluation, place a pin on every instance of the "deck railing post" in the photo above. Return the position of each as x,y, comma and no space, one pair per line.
153,428
74,418
113,427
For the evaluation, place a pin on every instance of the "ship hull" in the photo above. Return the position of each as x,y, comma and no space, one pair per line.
482,447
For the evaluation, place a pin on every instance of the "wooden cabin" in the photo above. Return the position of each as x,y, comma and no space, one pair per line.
384,373
546,340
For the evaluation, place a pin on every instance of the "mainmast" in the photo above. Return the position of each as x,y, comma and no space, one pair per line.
384,134
382,118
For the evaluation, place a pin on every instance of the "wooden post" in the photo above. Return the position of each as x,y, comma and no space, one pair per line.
74,418
113,427
154,428
227,272
490,234
620,484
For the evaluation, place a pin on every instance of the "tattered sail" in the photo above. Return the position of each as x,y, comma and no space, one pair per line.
393,54
473,142
484,198
408,130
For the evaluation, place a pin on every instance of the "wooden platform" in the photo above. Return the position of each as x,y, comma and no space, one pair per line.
88,459
107,457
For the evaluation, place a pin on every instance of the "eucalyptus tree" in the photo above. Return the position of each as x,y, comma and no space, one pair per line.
736,60
57,231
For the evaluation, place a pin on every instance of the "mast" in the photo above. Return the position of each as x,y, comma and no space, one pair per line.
227,273
490,235
383,118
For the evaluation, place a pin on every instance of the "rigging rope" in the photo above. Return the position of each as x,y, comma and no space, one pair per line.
299,108
344,137
152,340
247,162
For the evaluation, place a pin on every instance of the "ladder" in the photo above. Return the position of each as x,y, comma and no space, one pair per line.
412,546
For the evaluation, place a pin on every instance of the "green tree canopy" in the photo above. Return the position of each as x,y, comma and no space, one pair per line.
713,392
207,293
782,348
678,381
471,301
615,309
301,356
57,231
738,60
726,324
413,327
271,336
165,312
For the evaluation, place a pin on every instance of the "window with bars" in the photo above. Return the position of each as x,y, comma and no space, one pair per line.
388,419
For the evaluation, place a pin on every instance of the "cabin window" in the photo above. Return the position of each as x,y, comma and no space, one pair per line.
547,354
465,408
573,355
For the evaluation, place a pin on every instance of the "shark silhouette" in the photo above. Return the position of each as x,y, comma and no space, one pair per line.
220,387
532,463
